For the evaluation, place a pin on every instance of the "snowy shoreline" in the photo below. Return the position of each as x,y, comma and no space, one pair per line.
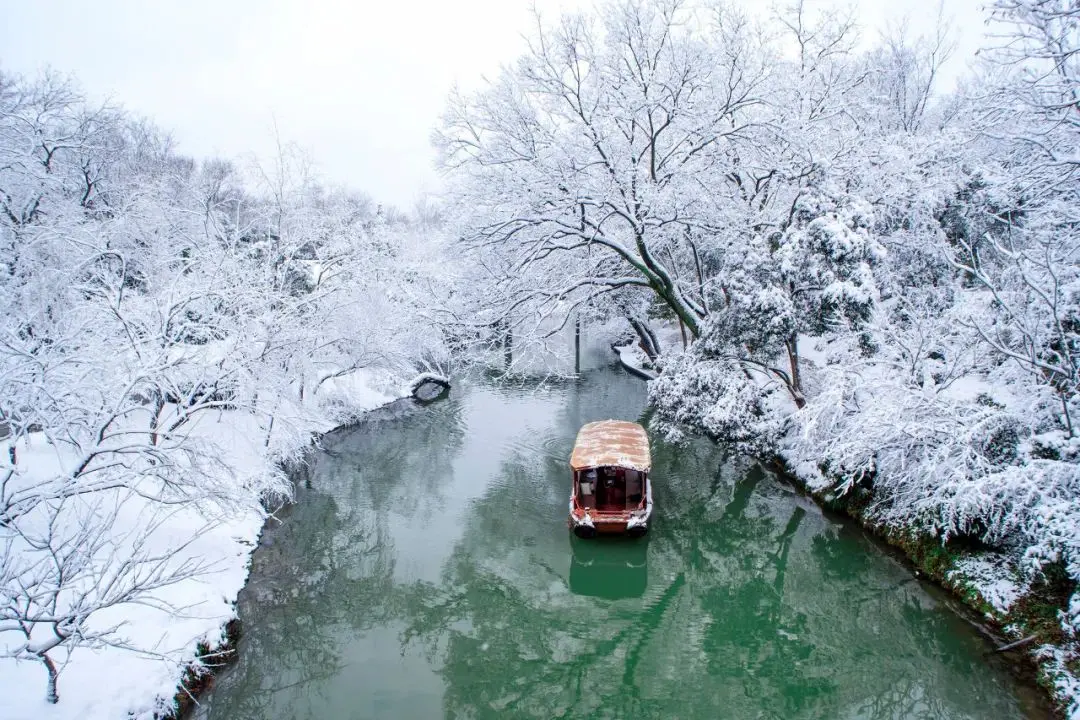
180,635
987,582
199,676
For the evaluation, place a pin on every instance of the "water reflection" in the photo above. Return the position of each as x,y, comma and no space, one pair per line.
610,568
428,572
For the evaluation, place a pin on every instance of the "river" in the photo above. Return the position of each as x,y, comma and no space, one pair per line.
426,571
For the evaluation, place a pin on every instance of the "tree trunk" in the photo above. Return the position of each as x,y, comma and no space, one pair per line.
1065,412
50,692
649,343
508,346
664,286
795,385
155,418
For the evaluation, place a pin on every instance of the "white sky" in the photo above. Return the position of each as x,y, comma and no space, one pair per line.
359,85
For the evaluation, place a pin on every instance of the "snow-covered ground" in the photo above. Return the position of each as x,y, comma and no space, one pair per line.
672,342
162,629
635,360
994,577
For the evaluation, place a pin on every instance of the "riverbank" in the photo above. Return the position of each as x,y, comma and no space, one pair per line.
179,634
1028,610
1021,617
1024,612
200,675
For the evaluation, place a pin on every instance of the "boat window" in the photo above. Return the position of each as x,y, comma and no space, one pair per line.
588,482
611,490
633,487
587,488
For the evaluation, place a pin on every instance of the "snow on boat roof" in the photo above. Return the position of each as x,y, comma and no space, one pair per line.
611,443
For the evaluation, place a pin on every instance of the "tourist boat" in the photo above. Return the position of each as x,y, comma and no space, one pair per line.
611,492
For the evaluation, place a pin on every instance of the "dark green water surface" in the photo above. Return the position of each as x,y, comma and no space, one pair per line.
426,572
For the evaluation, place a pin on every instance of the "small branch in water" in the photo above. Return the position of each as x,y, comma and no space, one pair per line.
1018,643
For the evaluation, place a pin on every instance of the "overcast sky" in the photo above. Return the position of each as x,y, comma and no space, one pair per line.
359,84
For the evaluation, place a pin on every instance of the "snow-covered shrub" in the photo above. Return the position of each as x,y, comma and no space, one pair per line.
716,397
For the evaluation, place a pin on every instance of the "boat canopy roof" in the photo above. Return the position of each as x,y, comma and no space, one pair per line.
611,443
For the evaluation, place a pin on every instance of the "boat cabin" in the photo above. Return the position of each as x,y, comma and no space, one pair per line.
611,492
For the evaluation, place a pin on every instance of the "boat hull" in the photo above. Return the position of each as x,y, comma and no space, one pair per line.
588,523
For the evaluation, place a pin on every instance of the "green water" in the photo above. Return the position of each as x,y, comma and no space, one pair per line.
427,572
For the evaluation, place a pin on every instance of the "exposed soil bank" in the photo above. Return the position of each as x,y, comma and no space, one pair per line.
199,676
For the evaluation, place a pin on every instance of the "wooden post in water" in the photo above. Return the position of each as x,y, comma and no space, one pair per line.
577,343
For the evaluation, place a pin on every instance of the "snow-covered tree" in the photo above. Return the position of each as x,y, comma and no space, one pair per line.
583,166
171,331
